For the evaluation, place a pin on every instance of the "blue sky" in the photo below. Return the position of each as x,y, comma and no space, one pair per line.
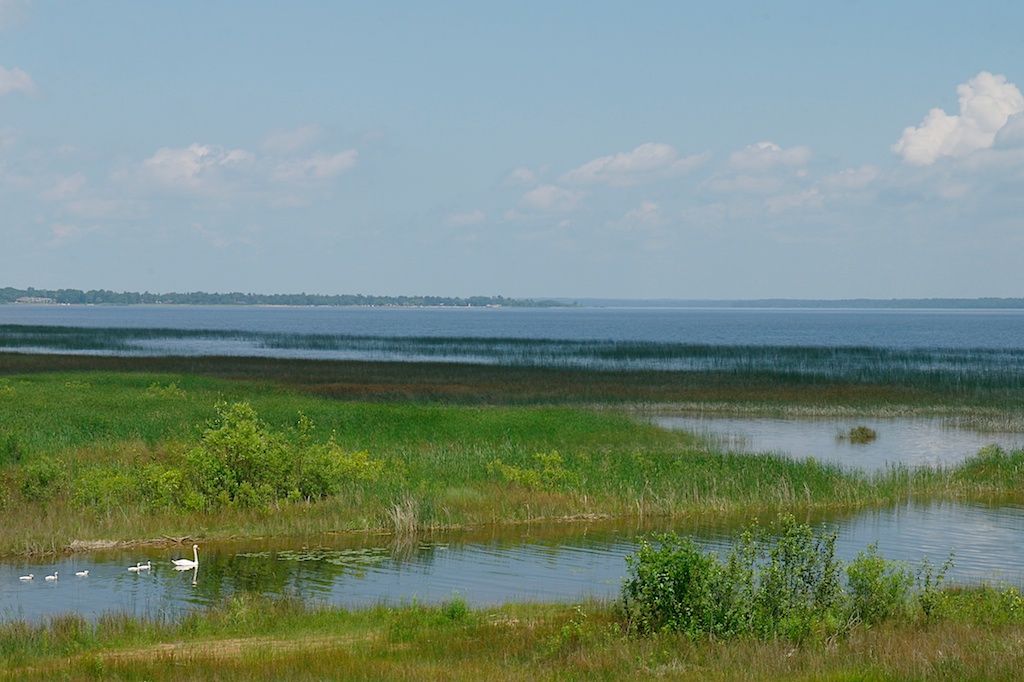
713,150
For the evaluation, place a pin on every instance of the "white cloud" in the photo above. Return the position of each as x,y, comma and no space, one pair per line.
463,219
317,167
194,167
765,156
292,140
645,163
551,198
15,80
987,102
521,177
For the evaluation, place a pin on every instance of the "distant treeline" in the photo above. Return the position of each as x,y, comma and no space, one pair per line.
886,303
104,297
873,303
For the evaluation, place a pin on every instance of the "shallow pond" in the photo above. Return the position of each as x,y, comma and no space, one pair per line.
524,563
913,442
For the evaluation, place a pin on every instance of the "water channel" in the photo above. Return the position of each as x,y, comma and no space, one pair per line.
534,562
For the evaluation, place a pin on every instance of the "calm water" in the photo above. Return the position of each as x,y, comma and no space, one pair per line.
528,563
913,442
995,329
535,562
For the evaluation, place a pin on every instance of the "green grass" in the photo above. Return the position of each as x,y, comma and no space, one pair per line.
82,451
974,636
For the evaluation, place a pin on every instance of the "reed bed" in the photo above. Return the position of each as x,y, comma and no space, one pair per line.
955,370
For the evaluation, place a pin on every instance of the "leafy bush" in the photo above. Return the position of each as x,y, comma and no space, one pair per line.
43,479
242,462
787,586
879,589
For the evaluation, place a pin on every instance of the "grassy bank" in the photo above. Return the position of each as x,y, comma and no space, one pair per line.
972,635
125,455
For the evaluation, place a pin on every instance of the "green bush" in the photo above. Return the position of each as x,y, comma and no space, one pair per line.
879,589
242,462
788,586
43,479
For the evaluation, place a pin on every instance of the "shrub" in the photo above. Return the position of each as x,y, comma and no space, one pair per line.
43,479
878,589
242,462
788,586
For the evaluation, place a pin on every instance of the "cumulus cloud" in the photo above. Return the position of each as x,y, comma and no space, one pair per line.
15,80
645,163
987,102
193,167
765,156
551,198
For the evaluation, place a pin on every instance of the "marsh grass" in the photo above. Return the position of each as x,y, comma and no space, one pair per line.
104,455
975,636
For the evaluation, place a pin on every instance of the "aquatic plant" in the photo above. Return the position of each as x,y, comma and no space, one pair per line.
858,434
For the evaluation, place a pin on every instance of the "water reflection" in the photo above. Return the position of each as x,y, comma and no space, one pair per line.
549,563
913,442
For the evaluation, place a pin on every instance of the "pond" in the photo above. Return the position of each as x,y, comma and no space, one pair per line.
912,442
566,562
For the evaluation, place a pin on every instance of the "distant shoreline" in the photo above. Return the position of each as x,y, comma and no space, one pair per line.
790,303
11,296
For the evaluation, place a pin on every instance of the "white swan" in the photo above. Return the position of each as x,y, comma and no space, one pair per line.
27,577
188,563
52,577
137,567
83,573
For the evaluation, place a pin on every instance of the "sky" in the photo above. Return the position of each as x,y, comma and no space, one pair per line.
811,149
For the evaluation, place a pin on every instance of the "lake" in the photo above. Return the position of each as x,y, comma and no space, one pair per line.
534,562
898,329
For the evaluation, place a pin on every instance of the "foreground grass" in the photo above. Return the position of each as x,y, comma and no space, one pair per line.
975,635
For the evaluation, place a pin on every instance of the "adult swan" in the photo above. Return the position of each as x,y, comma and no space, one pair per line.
183,564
